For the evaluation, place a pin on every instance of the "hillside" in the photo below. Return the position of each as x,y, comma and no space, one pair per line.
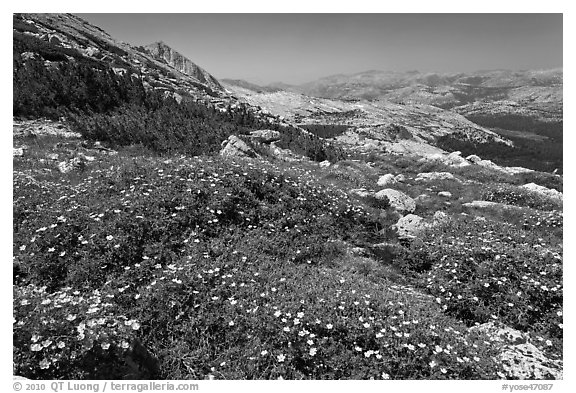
170,226
528,100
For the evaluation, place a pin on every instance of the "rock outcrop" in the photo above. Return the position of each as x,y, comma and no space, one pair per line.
265,136
173,58
455,159
431,176
284,154
236,147
544,191
520,358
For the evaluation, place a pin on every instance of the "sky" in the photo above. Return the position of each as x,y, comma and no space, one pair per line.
298,48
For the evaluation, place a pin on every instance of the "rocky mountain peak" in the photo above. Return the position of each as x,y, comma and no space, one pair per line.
161,51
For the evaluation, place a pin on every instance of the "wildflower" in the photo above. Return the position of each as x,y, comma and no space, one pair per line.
277,314
300,315
357,348
231,323
35,347
281,358
124,345
366,325
105,345
286,329
312,351
109,237
385,376
443,370
46,343
44,364
329,326
264,353
61,345
422,345
549,343
310,342
135,326
410,347
433,364
379,335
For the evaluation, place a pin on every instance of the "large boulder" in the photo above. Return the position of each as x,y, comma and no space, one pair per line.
236,147
265,136
520,358
386,180
410,226
398,200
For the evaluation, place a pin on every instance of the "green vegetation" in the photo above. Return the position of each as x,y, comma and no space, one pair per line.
166,261
117,109
200,267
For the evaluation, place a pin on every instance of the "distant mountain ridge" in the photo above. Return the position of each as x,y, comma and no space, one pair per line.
250,86
520,100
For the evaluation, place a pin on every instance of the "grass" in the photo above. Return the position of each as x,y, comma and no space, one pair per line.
189,268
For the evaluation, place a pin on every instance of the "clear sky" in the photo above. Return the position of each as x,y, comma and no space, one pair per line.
297,48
